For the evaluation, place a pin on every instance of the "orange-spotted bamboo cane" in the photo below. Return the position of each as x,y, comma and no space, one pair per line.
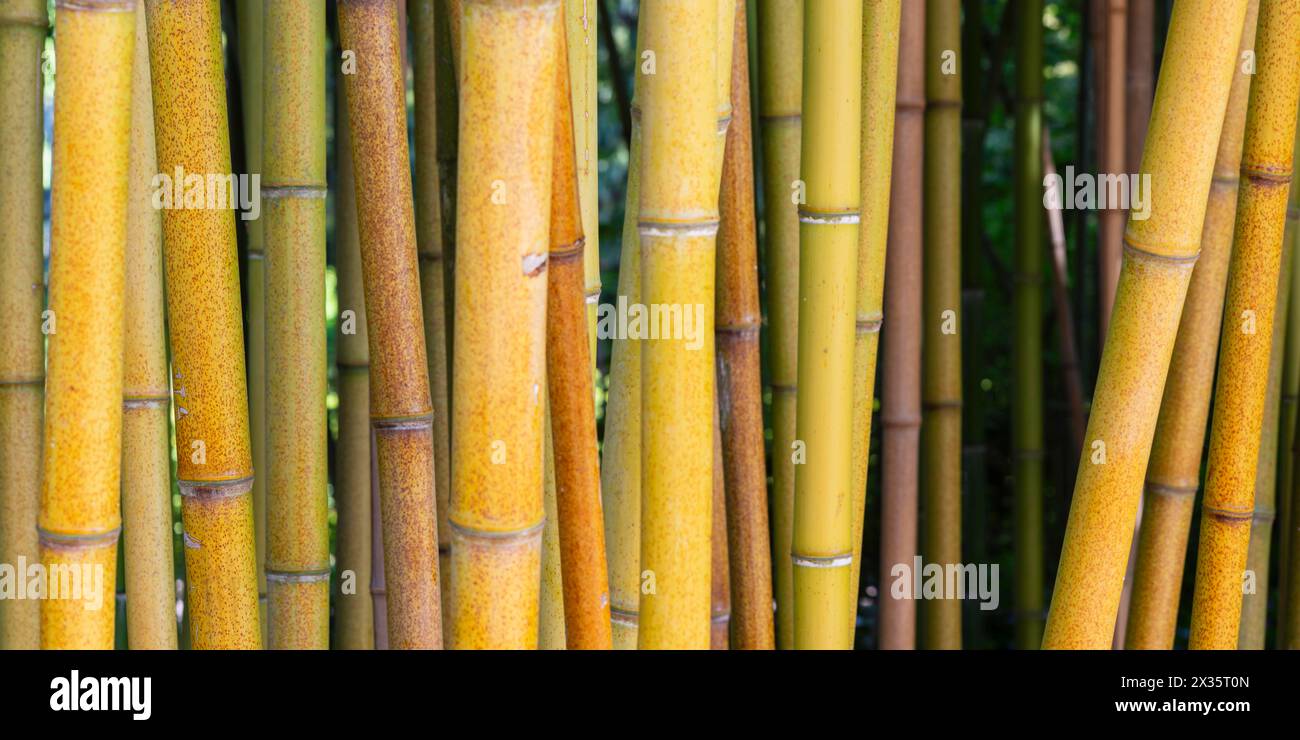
146,439
507,111
22,292
1173,474
400,406
1266,161
1160,251
80,517
214,460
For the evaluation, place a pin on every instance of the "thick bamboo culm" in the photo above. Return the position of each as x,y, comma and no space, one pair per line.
250,16
1174,470
429,238
22,293
1112,133
80,519
400,406
739,381
146,395
941,339
294,189
1290,391
214,459
1191,97
507,112
1266,161
580,26
821,550
780,100
901,364
571,402
677,225
354,619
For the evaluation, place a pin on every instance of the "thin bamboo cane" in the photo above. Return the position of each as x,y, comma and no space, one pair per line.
80,517
400,406
580,25
1112,134
828,235
214,460
354,615
941,369
550,602
678,226
146,438
739,382
780,26
22,292
378,584
250,16
1188,113
1290,392
1139,63
507,112
293,161
719,565
572,405
901,365
1174,470
1266,161
1064,316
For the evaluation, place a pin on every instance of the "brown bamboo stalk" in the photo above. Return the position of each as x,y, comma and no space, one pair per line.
720,566
1111,132
1064,316
1139,62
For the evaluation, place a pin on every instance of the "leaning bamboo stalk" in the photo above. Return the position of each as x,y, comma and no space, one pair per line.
146,438
508,53
353,607
1112,134
1290,392
293,162
22,293
941,369
580,25
780,57
1188,113
1173,474
250,16
1061,304
1266,160
400,406
828,236
572,405
739,382
677,221
80,517
214,460
901,365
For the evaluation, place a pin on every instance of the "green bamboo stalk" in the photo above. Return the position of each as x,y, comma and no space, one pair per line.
22,292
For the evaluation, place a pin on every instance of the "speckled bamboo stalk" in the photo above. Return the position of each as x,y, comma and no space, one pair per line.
821,550
507,112
146,438
293,189
353,607
1173,474
780,100
80,517
720,567
739,390
677,221
572,405
1191,97
250,16
22,295
941,367
580,25
1290,391
214,460
400,407
1266,159
901,365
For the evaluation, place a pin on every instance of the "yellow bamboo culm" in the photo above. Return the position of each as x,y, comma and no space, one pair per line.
293,190
1173,474
507,112
1266,161
677,225
146,438
214,460
80,519
1187,115
580,25
22,292
880,25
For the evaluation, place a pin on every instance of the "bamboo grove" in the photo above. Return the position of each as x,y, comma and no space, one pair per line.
619,324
